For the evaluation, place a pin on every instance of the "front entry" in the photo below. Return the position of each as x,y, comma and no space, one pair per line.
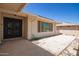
12,27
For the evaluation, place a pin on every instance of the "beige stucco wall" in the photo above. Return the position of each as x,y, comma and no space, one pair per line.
29,26
70,32
33,28
1,28
25,28
71,27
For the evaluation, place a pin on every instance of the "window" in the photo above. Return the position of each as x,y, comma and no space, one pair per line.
44,27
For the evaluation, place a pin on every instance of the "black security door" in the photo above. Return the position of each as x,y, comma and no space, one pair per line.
12,27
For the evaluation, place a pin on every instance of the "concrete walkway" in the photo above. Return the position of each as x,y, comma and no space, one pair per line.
22,47
55,44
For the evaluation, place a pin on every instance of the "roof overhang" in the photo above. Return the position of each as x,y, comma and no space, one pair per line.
16,7
41,18
67,25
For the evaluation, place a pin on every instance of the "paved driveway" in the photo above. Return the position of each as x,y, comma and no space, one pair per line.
22,47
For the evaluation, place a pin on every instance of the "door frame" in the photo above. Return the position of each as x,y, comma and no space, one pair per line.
11,18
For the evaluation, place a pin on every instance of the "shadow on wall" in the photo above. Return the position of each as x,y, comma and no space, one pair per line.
78,51
37,38
78,48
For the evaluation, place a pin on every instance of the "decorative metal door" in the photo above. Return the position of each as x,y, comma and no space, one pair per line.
12,27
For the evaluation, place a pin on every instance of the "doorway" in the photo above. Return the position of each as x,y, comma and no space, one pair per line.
12,28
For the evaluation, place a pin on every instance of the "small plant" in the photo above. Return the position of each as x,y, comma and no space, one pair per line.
35,37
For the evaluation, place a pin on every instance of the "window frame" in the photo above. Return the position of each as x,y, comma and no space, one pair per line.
41,26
